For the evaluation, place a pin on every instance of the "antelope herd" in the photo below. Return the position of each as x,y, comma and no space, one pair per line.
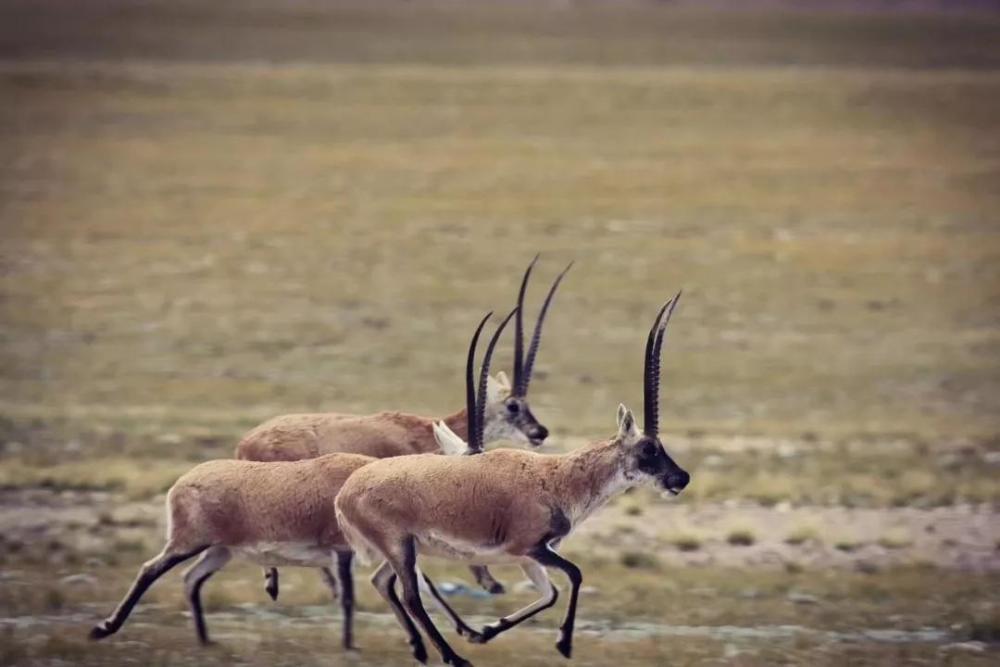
313,490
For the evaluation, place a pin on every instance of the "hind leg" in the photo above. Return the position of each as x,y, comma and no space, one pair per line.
384,581
211,561
150,571
345,579
331,582
403,559
486,581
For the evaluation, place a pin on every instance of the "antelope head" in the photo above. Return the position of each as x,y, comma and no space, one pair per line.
646,459
508,414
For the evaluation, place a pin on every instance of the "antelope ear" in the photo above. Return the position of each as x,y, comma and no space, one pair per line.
626,423
448,440
497,388
503,380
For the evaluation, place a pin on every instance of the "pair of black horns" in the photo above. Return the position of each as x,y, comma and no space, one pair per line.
523,365
475,399
651,368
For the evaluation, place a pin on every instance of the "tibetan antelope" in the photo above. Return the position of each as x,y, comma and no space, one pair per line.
270,513
384,434
503,506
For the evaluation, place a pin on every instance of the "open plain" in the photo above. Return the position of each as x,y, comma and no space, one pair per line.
213,213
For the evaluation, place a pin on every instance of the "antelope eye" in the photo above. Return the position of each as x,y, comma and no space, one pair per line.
648,450
513,407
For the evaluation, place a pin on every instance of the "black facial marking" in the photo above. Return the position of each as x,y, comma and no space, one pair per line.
651,459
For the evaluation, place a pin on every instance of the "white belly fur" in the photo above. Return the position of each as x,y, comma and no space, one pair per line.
449,548
273,554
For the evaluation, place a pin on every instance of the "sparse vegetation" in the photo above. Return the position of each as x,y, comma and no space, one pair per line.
741,537
896,538
639,559
686,541
847,543
803,533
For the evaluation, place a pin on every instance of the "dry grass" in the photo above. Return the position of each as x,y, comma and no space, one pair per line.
199,239
896,538
742,536
182,243
805,533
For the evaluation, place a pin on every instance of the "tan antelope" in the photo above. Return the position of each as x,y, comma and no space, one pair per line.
503,506
384,434
270,513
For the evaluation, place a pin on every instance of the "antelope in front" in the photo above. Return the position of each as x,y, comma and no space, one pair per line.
508,416
503,506
270,513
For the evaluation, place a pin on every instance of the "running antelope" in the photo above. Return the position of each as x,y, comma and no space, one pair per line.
503,506
385,434
270,513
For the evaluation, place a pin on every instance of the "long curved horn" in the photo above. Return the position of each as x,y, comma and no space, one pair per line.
519,383
470,383
536,337
651,386
484,373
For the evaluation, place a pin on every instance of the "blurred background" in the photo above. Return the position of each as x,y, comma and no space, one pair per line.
214,213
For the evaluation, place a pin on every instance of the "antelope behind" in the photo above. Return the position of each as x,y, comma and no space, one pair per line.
504,506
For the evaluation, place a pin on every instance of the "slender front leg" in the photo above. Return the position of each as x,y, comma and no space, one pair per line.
346,584
485,579
271,582
546,556
150,571
404,563
211,561
384,581
550,594
461,627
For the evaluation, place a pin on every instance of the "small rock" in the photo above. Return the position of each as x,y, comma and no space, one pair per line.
802,598
588,590
965,647
451,588
866,567
78,580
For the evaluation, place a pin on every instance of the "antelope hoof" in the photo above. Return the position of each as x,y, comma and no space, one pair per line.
458,661
488,632
496,588
100,631
565,646
419,651
473,636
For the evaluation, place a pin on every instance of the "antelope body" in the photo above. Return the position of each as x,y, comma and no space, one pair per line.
271,513
508,416
503,506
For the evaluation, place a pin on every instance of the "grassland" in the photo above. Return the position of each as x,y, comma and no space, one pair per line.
214,214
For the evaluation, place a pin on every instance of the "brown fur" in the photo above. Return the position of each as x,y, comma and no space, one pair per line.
381,435
500,503
269,512
240,503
